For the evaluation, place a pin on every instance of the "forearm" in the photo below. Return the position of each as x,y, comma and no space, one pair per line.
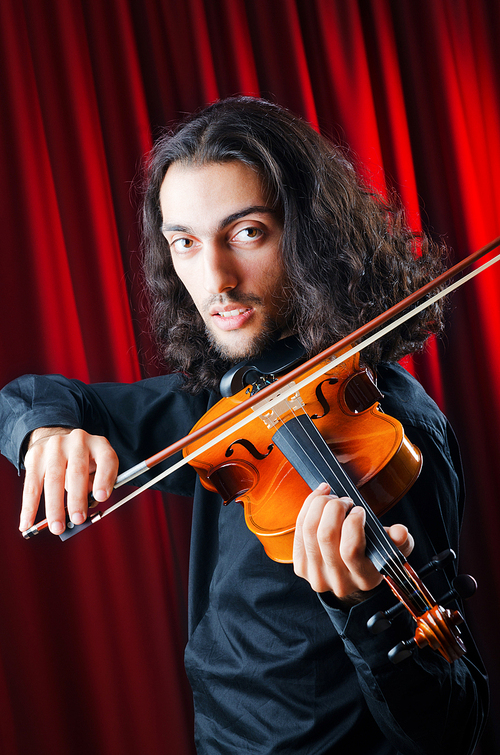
26,405
424,705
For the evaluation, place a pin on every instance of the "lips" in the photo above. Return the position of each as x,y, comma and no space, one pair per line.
231,313
232,319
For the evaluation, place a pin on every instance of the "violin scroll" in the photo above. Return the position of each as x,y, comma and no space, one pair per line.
437,627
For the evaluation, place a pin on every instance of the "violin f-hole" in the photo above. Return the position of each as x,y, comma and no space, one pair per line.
252,450
321,398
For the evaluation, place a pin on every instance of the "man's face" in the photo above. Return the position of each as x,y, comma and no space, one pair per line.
224,239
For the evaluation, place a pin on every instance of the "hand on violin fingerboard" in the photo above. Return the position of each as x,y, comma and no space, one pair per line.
329,546
66,465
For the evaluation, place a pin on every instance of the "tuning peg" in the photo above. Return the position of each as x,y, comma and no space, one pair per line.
463,586
382,620
402,651
438,561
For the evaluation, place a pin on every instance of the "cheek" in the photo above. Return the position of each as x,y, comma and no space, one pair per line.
271,279
192,289
186,277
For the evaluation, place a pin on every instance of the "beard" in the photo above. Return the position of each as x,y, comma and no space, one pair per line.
232,355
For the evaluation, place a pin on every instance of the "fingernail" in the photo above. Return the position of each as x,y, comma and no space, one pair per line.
100,495
323,487
77,517
56,528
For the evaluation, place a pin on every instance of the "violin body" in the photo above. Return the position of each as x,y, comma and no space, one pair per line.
344,406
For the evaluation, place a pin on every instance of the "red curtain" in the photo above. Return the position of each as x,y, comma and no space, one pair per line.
92,630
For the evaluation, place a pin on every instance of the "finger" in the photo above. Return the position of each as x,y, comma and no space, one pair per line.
330,529
299,547
322,489
78,472
32,490
320,520
106,469
92,465
362,573
402,538
35,464
349,535
55,465
305,540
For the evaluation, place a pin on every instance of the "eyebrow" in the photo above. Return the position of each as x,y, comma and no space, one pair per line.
170,227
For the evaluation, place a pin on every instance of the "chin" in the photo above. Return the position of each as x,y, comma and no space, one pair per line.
242,347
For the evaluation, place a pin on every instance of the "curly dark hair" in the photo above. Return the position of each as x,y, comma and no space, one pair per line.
348,255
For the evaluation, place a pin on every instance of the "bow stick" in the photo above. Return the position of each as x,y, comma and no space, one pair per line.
284,387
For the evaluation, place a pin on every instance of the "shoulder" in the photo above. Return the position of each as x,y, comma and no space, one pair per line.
405,399
441,478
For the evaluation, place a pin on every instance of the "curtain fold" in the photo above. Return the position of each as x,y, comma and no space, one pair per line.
92,630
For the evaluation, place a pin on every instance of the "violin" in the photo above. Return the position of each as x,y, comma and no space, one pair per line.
273,464
321,429
333,431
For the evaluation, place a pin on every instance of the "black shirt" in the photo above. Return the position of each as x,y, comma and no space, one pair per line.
274,667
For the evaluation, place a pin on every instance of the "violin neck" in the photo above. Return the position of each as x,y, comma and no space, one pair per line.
301,443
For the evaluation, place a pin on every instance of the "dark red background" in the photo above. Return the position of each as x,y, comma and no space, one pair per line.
92,630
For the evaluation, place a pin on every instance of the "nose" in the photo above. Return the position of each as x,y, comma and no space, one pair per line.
219,270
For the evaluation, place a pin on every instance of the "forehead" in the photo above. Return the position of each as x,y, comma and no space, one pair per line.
209,192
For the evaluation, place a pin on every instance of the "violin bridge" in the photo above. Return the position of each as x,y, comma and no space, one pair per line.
281,411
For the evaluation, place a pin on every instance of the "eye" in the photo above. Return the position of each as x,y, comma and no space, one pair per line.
181,244
248,234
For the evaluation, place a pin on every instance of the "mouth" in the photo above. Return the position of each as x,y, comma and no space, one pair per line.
232,319
232,313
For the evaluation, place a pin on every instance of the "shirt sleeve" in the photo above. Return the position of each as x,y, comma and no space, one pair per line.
139,419
424,704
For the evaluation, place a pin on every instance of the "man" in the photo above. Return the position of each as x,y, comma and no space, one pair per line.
256,228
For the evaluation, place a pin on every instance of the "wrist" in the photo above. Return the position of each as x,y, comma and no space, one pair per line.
348,601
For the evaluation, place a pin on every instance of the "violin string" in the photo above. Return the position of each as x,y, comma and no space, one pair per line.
386,547
285,392
379,538
144,466
414,595
373,529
